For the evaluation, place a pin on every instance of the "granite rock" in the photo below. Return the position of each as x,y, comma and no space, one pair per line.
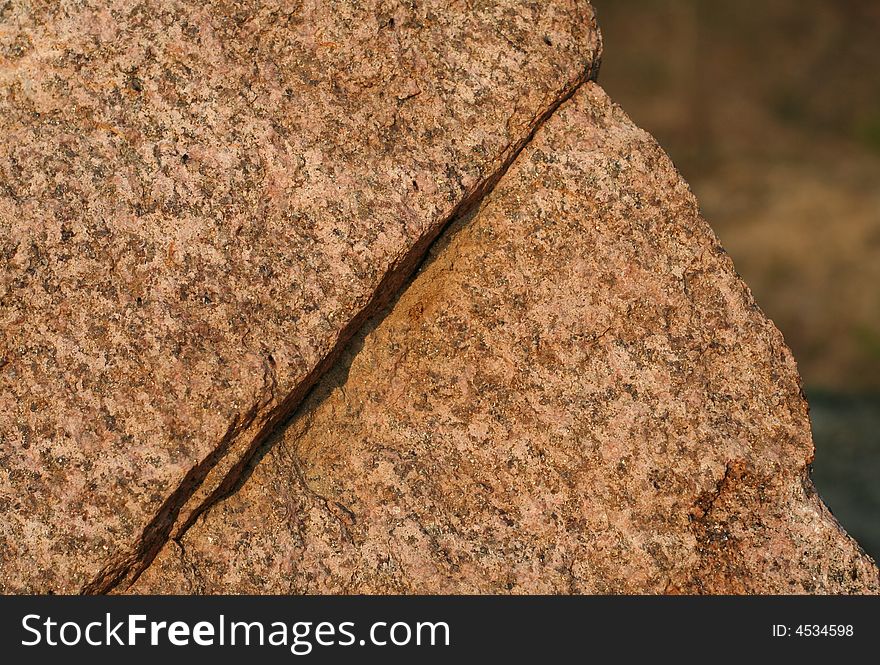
200,202
576,394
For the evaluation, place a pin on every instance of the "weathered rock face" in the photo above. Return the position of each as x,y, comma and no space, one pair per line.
576,394
199,203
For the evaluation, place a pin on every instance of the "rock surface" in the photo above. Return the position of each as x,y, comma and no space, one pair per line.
199,203
576,394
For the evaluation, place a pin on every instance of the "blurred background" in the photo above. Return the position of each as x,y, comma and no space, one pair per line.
771,111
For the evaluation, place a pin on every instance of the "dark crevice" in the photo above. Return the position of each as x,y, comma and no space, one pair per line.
124,572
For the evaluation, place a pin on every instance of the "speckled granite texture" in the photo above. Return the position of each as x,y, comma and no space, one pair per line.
577,394
199,203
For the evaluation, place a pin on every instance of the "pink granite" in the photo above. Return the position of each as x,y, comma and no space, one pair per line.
199,203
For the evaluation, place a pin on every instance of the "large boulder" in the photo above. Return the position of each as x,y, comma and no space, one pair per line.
200,202
576,394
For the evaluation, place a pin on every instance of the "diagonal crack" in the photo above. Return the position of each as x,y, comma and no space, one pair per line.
158,531
167,523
